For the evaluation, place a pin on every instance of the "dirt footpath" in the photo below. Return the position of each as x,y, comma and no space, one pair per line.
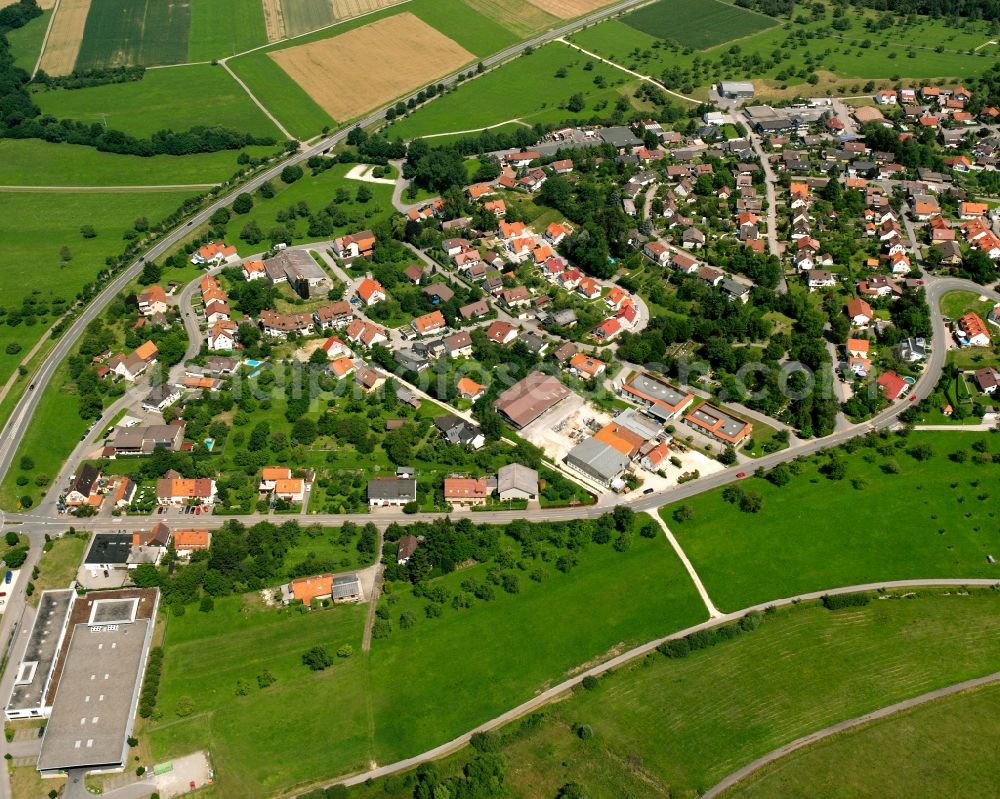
369,66
63,45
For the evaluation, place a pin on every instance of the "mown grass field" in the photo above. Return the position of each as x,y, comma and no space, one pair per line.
697,23
423,685
526,88
945,748
177,99
124,32
934,518
282,96
26,42
34,226
315,722
956,303
33,162
676,727
224,27
58,567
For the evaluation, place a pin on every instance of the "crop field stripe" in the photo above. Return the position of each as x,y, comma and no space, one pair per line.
116,33
274,20
371,65
63,46
518,16
302,16
700,24
569,9
222,28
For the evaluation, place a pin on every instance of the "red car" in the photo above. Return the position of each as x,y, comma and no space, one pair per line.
741,475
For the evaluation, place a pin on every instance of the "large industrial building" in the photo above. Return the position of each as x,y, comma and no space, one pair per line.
83,670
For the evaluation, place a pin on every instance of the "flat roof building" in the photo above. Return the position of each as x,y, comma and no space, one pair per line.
597,460
108,551
99,675
660,398
736,89
29,696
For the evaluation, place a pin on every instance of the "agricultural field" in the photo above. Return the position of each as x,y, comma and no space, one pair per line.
781,59
521,17
907,508
26,42
676,726
465,24
944,748
282,96
569,9
122,32
221,28
331,70
698,24
65,37
423,684
517,91
301,16
32,162
175,99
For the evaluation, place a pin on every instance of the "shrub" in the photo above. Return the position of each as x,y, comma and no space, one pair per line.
674,648
589,682
837,601
485,741
317,658
585,732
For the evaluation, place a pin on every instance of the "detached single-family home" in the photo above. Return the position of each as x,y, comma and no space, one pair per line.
355,245
859,312
391,491
466,490
216,253
892,385
180,491
429,323
152,301
370,292
971,331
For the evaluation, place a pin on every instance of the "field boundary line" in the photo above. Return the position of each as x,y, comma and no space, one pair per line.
713,611
556,691
633,73
45,39
97,189
843,726
182,64
257,102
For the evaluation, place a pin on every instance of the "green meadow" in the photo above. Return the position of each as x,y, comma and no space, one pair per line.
526,88
26,42
947,747
675,727
33,162
417,688
177,98
697,23
891,517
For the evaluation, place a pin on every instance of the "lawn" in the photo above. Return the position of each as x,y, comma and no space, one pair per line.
917,755
224,27
34,226
58,566
930,518
423,685
305,725
957,303
674,727
26,42
699,24
525,88
33,162
176,99
116,33
282,96
317,192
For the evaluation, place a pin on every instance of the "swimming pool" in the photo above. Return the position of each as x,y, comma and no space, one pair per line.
252,362
209,443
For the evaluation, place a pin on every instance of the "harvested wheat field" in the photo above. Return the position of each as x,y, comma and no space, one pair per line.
369,66
63,45
274,20
518,16
568,9
343,9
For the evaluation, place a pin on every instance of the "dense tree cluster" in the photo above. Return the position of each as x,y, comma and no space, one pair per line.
83,78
